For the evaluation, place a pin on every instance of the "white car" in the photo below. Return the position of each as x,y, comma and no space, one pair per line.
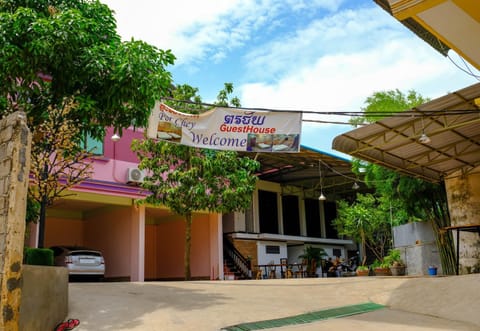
80,261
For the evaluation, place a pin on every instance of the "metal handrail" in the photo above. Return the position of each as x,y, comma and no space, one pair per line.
241,263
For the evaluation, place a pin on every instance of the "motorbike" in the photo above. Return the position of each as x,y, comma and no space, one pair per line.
348,267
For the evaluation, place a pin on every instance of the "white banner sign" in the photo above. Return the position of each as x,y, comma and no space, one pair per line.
228,129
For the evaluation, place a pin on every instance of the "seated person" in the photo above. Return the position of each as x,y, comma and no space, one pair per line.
330,268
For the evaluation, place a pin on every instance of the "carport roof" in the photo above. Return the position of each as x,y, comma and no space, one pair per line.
302,170
451,122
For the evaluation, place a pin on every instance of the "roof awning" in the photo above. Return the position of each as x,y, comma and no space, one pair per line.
452,123
444,24
302,170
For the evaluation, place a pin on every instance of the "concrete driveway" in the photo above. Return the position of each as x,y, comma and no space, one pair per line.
424,303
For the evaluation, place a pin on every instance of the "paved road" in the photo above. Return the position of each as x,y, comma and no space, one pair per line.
427,303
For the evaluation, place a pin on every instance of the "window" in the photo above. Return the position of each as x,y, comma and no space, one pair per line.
330,215
270,249
92,145
291,215
268,211
312,217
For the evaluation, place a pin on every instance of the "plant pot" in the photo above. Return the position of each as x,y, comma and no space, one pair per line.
363,272
382,271
397,270
432,271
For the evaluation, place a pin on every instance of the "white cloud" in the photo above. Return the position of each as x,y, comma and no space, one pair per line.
335,63
196,30
291,54
342,82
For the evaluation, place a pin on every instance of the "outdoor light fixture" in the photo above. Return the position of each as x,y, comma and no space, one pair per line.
322,196
355,186
115,137
424,139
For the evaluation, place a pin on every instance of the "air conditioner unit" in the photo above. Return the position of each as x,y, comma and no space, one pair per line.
135,175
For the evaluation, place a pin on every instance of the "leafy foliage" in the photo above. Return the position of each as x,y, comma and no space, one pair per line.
385,103
410,199
313,256
187,179
366,221
70,48
58,161
64,65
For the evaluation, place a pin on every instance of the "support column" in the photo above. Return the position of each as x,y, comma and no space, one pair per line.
15,140
280,214
303,219
137,246
216,246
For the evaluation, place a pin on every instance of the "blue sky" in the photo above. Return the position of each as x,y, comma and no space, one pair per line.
313,55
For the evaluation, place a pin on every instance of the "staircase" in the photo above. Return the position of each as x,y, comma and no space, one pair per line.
235,265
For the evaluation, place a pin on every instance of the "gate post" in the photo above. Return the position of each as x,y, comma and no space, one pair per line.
15,140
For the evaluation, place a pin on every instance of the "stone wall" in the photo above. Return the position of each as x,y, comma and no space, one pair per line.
463,193
15,140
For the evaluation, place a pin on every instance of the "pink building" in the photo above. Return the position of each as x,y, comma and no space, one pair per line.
142,242
139,242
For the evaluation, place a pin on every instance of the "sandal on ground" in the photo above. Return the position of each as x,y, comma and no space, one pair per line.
68,325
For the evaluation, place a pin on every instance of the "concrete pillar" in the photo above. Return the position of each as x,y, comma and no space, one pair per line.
463,194
15,140
280,214
303,220
216,246
137,244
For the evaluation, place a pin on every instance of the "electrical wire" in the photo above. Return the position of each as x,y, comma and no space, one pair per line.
409,113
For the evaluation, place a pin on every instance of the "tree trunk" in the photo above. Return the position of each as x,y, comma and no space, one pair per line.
364,246
445,243
41,222
188,244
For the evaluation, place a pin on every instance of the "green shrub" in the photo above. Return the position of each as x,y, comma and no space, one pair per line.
393,257
38,256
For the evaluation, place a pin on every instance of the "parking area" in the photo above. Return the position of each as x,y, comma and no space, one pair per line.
424,303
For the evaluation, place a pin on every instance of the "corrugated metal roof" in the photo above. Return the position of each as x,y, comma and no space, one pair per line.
452,123
418,29
302,170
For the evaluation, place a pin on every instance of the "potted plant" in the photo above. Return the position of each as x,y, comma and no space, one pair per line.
381,268
394,260
312,256
362,270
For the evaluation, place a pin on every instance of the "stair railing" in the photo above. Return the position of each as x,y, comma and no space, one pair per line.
241,263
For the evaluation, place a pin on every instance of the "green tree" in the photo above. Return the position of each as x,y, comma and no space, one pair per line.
58,160
385,103
70,48
57,50
411,199
187,180
367,222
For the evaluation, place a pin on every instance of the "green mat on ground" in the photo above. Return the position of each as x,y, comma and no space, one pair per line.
307,318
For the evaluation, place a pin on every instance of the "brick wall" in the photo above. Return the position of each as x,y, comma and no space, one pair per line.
15,139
